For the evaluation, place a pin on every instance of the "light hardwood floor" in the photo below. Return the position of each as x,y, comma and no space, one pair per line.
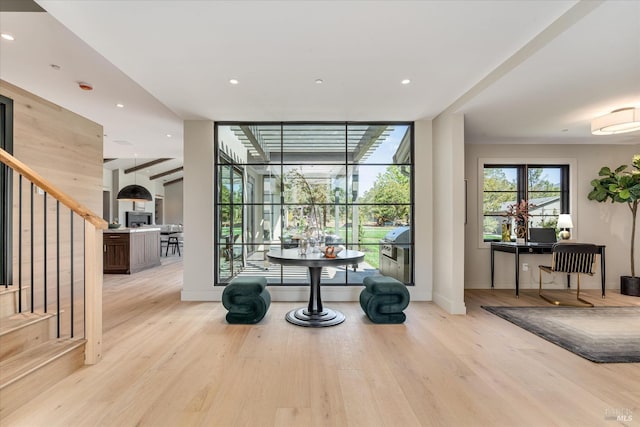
172,363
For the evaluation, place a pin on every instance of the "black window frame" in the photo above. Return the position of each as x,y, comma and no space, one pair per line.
283,163
522,185
6,193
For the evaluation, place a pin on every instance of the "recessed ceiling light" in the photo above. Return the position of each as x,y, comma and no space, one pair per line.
169,135
7,36
120,105
405,81
234,81
319,81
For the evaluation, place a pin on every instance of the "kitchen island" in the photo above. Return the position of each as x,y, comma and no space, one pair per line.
129,250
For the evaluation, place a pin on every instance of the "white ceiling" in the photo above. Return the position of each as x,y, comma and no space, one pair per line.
521,71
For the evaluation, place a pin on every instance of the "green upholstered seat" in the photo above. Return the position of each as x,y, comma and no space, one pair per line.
383,299
247,299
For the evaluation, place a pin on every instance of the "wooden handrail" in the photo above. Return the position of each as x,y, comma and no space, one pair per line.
45,185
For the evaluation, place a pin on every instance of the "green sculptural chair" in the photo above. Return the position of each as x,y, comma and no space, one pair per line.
384,299
247,300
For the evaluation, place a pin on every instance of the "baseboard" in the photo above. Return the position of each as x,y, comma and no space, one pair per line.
448,305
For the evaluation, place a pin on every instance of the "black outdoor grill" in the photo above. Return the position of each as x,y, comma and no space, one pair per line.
395,254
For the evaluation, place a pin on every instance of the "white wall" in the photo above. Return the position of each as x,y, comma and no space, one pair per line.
199,215
600,223
448,212
423,221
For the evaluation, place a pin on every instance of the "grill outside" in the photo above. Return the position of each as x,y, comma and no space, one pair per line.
395,254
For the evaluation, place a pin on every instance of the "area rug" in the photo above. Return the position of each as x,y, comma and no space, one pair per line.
599,334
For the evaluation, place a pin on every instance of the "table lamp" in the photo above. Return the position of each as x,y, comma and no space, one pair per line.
565,223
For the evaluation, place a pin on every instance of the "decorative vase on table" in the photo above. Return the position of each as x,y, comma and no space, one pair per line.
521,232
506,232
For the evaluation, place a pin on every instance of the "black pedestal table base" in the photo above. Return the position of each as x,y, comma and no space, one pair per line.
314,315
302,317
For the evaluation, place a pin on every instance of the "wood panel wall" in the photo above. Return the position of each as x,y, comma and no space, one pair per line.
63,146
66,149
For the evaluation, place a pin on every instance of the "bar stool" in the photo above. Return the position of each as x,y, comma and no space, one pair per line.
173,243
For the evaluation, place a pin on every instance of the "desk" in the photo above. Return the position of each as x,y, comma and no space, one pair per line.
535,248
315,315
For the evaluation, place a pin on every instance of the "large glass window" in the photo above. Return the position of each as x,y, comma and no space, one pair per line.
344,184
544,186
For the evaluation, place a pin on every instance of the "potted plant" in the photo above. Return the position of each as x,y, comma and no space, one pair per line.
622,186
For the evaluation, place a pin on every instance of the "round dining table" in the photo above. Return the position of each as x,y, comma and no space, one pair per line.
314,315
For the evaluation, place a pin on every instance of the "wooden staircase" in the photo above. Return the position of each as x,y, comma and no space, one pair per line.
54,327
32,359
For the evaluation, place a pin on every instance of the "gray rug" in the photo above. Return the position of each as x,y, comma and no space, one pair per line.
599,334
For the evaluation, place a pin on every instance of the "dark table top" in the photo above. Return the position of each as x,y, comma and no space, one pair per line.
313,259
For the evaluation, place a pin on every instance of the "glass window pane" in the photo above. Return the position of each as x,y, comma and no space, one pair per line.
250,143
497,203
224,176
500,179
379,143
380,184
238,187
542,179
312,184
492,228
313,143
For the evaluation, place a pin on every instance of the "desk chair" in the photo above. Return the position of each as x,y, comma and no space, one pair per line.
570,258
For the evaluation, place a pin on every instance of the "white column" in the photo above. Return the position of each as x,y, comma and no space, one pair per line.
198,211
449,211
423,220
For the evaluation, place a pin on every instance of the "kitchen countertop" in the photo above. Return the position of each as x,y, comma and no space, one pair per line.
131,230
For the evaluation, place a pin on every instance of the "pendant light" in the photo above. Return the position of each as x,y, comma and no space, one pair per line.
134,192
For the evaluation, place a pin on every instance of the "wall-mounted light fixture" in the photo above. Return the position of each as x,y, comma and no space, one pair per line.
621,120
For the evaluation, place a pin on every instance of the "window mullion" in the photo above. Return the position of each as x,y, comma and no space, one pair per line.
523,183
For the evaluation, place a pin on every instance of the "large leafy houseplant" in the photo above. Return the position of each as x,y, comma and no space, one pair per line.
621,186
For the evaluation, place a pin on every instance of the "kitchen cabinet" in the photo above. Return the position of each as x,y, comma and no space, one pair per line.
128,251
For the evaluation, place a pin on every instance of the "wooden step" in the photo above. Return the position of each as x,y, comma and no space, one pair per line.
29,373
9,300
23,331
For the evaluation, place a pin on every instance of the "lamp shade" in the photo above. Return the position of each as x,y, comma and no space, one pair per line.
618,121
564,221
134,193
